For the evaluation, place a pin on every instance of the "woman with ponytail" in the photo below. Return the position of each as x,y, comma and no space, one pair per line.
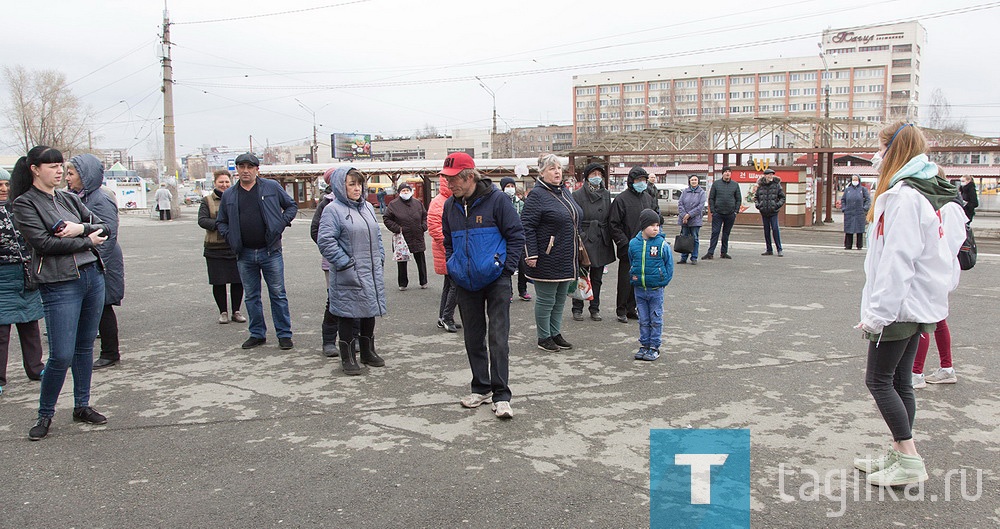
915,231
63,235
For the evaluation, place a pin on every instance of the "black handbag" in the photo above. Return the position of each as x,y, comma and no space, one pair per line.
967,253
684,244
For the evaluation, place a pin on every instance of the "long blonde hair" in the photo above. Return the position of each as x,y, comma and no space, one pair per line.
906,142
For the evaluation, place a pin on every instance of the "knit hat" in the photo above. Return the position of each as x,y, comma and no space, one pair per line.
403,187
4,175
328,174
506,181
647,218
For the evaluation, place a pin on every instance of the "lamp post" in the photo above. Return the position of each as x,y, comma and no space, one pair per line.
493,95
827,139
314,148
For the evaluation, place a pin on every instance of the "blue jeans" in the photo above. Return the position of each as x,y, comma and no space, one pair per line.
771,229
550,301
72,313
721,224
692,231
254,263
649,302
486,317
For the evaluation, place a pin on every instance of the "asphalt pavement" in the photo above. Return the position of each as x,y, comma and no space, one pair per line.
204,434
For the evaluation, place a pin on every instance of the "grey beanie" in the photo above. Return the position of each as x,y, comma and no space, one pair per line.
647,218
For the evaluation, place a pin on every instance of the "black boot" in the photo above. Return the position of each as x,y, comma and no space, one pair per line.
368,354
349,359
329,329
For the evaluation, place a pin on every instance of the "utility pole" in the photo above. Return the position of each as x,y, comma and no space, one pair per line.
169,149
493,137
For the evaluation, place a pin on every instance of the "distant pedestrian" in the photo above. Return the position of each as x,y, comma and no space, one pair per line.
595,202
219,257
624,221
969,196
769,200
252,217
855,203
652,268
690,209
380,196
509,186
449,292
85,176
552,221
163,200
408,217
351,240
483,241
724,201
946,373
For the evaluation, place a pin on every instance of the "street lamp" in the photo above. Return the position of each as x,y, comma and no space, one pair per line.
315,146
493,95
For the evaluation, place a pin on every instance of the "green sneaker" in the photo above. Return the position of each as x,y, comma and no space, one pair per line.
876,463
905,471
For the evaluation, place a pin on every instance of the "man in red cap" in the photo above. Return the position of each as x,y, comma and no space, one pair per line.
483,241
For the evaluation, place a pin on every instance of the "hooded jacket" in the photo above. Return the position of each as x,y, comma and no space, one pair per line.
625,209
770,197
595,228
692,202
434,226
276,206
855,203
351,240
101,202
409,218
518,203
483,237
551,221
912,261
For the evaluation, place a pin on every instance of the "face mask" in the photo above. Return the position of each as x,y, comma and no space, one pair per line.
877,161
510,191
595,181
854,182
406,196
639,187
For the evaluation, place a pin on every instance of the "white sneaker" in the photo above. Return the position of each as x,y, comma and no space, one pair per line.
502,410
943,376
474,400
918,381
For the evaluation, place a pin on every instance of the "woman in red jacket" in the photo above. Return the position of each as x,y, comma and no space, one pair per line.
446,314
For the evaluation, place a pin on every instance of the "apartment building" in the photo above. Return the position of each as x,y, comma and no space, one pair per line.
529,142
873,74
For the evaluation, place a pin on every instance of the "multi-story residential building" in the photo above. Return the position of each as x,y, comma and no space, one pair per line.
476,143
872,74
529,142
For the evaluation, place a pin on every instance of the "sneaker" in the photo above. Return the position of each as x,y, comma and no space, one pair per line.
709,256
502,410
223,318
780,254
525,297
238,317
285,344
561,342
577,316
253,341
652,353
726,256
918,381
546,344
905,470
402,289
449,326
622,319
768,253
942,376
424,286
40,429
474,400
874,464
640,353
88,415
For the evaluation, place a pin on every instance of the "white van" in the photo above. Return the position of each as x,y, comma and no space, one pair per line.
667,196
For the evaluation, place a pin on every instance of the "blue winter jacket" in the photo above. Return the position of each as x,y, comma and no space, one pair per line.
350,239
101,203
652,262
279,210
483,237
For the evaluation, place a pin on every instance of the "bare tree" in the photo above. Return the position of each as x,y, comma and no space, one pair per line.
42,110
940,117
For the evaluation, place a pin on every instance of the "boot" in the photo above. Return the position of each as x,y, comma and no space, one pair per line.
349,359
368,354
329,330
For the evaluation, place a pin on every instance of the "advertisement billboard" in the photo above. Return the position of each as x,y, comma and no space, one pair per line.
352,146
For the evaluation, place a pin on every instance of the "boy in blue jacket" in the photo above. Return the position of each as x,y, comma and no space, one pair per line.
652,268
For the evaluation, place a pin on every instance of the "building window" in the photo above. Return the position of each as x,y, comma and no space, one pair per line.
734,95
809,106
764,93
874,48
734,110
859,89
840,105
843,74
827,75
691,97
580,104
900,48
778,78
653,100
808,91
764,79
842,89
858,105
778,93
778,108
793,107
811,76
794,92
794,77
640,100
901,63
901,78
720,95
876,88
747,95
765,108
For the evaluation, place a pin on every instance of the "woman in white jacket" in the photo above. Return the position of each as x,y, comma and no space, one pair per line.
915,231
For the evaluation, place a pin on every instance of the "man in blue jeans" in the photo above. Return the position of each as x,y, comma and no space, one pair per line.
769,200
483,242
723,203
251,218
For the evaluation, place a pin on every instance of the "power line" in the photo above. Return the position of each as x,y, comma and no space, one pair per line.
248,17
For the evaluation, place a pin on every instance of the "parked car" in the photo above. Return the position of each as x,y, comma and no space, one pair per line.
191,198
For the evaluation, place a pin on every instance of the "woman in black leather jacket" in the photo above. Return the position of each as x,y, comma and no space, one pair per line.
63,235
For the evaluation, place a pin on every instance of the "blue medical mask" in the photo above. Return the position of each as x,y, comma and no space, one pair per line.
595,181
639,186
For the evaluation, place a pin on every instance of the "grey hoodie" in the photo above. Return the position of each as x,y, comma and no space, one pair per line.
102,203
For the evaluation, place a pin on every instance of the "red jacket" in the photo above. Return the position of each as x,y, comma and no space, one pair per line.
434,226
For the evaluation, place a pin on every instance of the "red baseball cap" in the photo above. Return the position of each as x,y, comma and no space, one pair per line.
456,162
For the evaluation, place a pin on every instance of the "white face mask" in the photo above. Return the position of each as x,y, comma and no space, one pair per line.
510,191
855,182
406,195
877,161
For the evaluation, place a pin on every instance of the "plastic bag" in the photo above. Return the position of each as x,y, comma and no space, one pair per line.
400,251
583,291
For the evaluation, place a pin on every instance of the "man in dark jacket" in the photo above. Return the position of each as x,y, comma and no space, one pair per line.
595,200
624,223
723,203
509,187
251,218
968,192
483,242
769,199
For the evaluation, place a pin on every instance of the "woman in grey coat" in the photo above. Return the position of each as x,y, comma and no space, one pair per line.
85,176
855,203
595,201
690,209
351,240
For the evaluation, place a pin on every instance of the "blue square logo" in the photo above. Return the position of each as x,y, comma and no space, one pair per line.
699,479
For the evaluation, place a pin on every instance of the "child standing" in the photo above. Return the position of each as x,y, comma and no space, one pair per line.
652,268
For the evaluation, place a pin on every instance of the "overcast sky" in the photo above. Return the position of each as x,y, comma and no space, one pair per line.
393,66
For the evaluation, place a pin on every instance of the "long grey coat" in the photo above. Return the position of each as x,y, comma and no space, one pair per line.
596,231
855,203
351,240
101,203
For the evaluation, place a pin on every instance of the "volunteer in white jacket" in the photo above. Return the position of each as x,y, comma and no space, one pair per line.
915,232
